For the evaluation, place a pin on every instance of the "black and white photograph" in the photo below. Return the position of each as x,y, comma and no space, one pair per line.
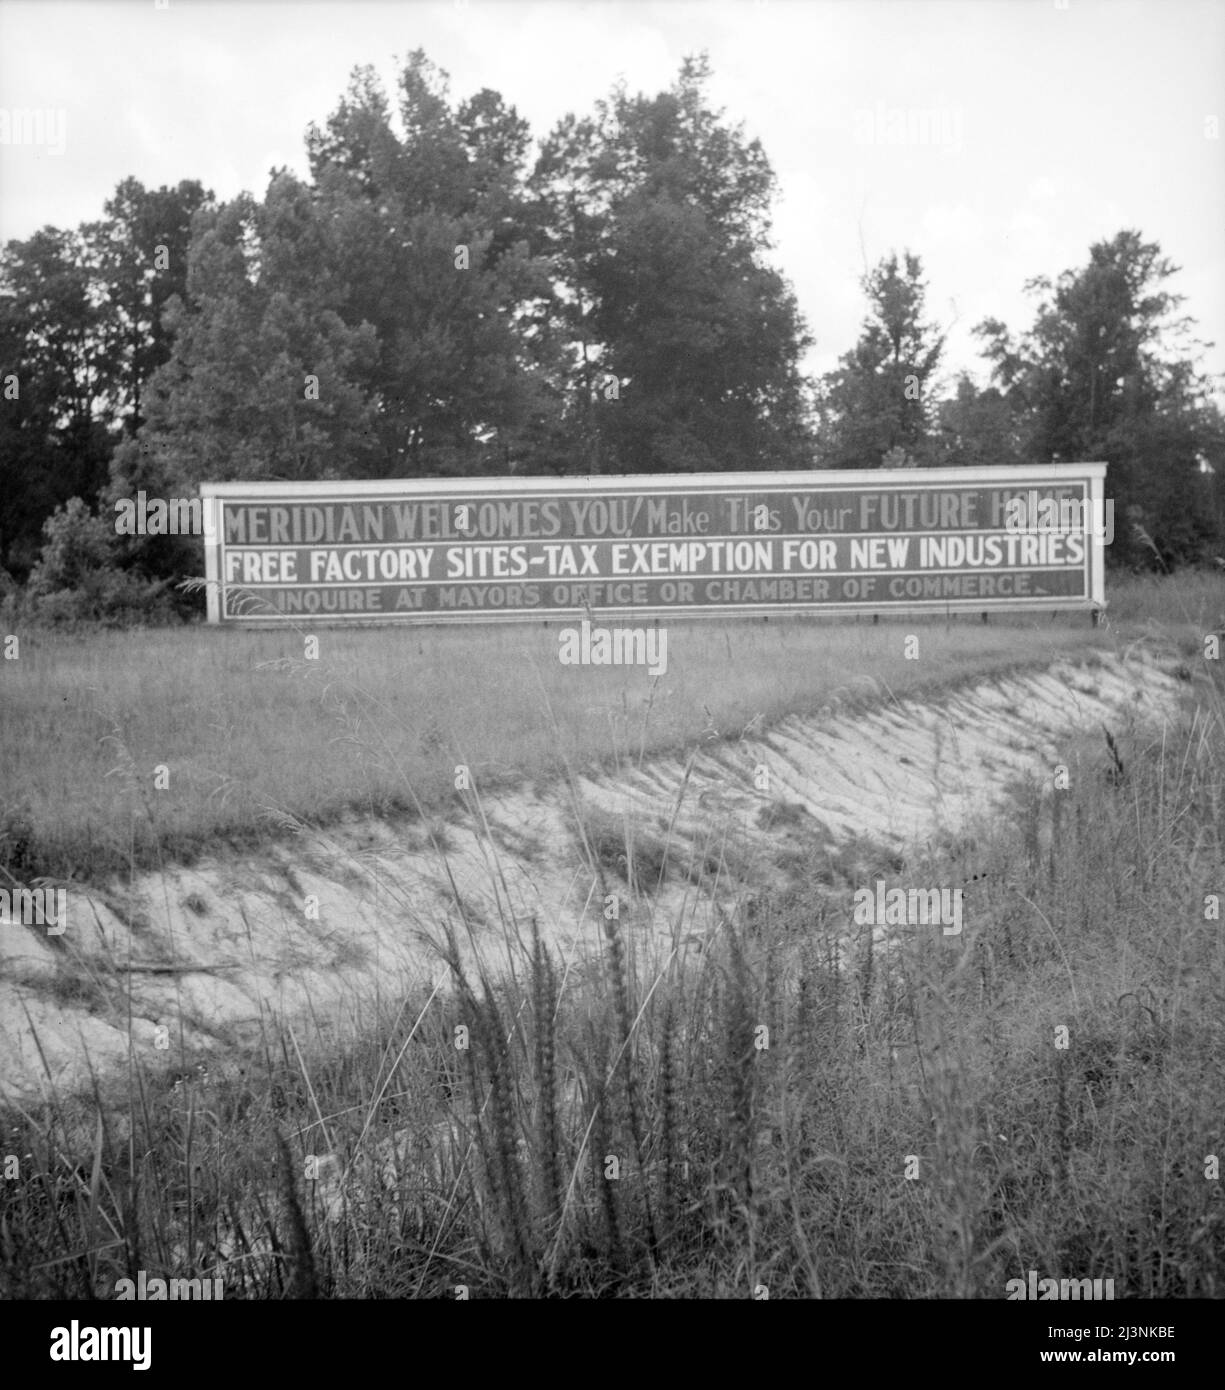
611,677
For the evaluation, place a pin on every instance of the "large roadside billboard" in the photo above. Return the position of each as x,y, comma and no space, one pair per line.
483,549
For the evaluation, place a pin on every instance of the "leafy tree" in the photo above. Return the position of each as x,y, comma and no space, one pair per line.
77,542
50,290
141,249
879,398
976,428
81,331
683,345
76,577
29,481
262,379
1108,372
432,225
55,373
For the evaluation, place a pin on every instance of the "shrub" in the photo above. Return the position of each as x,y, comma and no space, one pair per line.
75,578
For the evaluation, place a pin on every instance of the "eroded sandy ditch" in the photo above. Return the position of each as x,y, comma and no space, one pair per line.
231,940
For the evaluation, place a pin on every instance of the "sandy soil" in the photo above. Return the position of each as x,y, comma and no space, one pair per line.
218,944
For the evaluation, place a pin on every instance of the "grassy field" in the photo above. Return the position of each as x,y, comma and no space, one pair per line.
250,730
1039,1093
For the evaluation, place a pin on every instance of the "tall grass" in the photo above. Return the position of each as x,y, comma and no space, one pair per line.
800,1105
252,732
794,1104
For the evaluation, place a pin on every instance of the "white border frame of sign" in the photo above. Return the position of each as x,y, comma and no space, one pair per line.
1093,474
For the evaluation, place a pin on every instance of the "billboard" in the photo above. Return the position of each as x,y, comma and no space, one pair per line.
482,549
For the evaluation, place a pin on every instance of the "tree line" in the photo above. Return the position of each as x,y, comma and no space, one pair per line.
440,296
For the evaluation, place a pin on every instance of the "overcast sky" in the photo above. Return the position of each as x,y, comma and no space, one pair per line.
996,140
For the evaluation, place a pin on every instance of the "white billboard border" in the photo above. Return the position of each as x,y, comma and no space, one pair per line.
1092,474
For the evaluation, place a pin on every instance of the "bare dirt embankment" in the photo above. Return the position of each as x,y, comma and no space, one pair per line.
320,921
